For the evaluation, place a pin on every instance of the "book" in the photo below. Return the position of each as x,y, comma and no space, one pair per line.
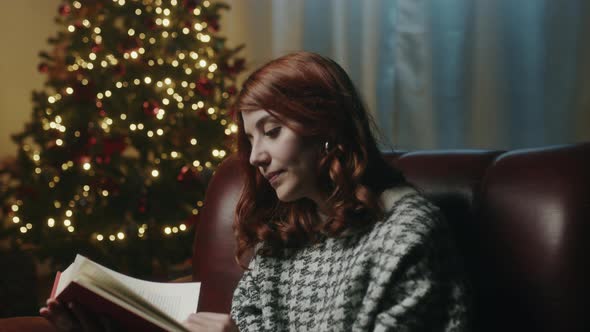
135,304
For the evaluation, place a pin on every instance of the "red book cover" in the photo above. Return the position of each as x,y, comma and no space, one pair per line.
98,305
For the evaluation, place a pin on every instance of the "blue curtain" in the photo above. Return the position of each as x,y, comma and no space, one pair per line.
469,73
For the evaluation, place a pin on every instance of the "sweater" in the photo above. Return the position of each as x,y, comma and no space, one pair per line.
401,275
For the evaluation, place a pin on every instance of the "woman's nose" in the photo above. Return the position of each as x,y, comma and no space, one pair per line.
258,156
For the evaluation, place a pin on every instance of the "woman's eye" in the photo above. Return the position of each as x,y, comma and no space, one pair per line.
273,132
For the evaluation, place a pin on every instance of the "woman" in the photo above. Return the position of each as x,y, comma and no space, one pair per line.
341,240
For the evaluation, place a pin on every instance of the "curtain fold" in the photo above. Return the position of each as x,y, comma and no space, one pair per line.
498,74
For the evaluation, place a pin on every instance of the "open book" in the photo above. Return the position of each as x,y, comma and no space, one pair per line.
137,305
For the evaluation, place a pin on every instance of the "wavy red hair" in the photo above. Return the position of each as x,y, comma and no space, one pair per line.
315,93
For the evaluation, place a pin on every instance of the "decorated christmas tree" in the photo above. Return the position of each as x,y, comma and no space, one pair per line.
115,159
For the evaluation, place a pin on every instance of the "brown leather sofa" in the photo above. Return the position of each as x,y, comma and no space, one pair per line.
522,220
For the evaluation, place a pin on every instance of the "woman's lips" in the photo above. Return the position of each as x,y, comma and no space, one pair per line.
274,177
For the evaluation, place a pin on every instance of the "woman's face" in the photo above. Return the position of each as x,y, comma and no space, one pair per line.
281,156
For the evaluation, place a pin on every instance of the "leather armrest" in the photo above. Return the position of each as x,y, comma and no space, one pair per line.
26,324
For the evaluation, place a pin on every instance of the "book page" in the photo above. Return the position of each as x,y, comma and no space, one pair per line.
177,300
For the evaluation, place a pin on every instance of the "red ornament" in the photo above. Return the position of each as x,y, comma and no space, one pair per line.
142,205
150,108
191,4
113,145
65,10
204,87
188,176
212,24
43,67
102,113
119,70
96,47
232,70
232,90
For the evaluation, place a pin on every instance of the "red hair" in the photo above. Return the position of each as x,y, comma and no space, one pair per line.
315,93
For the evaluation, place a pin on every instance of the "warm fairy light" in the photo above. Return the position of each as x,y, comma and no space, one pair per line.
99,237
119,85
215,153
92,56
97,30
164,34
134,55
147,80
133,127
182,227
14,207
69,213
174,154
197,11
67,222
23,229
57,204
77,4
196,163
212,67
198,26
210,110
175,63
165,22
86,187
71,28
165,101
36,157
193,141
50,222
138,12
205,38
174,229
90,66
105,193
71,229
206,3
69,91
155,173
170,91
150,133
136,81
195,211
167,230
108,93
38,170
130,32
186,30
112,237
202,63
120,235
51,99
86,166
29,226
123,116
208,164
121,2
199,203
188,71
160,132
15,219
59,142
152,40
99,95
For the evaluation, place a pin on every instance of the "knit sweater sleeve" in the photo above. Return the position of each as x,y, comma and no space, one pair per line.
246,310
424,292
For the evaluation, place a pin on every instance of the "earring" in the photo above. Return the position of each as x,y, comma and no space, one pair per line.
326,147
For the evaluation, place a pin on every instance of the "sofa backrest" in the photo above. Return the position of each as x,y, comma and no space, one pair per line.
521,218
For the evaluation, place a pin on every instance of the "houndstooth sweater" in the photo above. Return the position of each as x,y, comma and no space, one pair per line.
402,275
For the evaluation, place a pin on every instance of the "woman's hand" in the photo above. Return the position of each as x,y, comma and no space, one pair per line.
72,318
210,322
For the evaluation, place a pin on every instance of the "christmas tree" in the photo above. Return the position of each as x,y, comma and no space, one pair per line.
115,160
